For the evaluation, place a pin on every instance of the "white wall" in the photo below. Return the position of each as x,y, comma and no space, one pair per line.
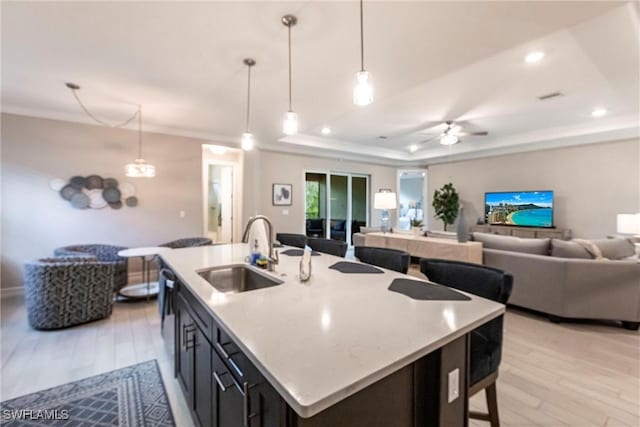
35,219
591,183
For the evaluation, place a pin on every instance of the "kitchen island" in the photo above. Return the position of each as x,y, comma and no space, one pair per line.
338,350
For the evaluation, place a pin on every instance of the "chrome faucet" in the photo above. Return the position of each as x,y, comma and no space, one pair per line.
272,258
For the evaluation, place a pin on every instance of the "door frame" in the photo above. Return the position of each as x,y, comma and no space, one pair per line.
425,194
349,175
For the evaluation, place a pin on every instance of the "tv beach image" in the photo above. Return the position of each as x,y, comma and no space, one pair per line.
526,209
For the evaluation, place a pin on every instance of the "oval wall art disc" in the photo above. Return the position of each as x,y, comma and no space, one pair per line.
94,181
111,194
116,205
109,182
68,191
132,201
80,201
78,181
57,184
127,189
96,199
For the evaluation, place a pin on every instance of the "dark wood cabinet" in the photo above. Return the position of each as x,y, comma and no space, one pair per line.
223,388
203,386
184,354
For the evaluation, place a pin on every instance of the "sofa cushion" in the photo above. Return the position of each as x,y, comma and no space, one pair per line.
568,249
615,248
513,244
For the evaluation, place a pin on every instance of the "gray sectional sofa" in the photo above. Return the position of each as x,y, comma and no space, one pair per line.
563,280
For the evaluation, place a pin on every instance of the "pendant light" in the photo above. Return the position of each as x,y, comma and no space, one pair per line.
363,87
140,168
247,138
290,123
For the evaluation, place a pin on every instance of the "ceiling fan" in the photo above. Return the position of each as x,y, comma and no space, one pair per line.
452,133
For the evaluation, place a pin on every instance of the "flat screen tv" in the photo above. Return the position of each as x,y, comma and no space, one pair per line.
519,208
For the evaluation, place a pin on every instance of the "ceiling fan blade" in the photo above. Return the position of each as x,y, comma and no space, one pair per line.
484,133
433,137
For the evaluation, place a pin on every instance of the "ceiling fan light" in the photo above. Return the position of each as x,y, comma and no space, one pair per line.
247,142
363,89
449,139
140,169
290,123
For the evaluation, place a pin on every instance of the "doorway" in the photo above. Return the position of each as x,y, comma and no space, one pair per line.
336,204
413,198
220,203
222,193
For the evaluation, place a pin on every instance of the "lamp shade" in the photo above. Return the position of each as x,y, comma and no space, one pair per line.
384,200
629,223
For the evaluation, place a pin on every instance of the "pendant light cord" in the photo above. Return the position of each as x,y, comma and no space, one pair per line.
139,113
74,90
248,96
361,36
289,28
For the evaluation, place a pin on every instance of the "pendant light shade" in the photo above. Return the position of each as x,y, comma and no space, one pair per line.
363,89
290,122
140,168
363,85
246,142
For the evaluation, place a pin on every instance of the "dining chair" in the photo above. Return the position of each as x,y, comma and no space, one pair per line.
328,246
391,259
290,239
485,350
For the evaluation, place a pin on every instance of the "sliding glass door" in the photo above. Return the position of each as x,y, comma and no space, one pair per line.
337,204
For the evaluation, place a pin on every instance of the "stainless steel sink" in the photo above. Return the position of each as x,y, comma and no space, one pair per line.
238,278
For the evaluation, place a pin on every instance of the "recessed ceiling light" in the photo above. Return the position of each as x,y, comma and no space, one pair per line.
533,57
326,130
598,112
413,148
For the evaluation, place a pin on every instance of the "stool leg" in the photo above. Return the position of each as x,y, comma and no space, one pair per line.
492,405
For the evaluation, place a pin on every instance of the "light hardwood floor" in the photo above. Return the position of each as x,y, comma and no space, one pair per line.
551,375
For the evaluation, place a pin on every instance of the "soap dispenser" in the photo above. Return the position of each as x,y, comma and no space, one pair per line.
305,265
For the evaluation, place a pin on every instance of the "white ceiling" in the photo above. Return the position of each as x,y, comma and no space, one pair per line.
431,61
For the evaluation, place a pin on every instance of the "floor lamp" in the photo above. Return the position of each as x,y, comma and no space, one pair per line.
384,200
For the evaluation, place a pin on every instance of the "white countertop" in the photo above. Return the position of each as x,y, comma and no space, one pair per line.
321,341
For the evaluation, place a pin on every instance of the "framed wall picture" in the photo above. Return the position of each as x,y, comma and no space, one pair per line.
282,194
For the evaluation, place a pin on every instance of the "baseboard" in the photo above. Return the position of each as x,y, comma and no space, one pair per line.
16,291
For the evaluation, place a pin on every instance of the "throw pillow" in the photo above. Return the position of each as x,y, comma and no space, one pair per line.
568,249
591,247
615,248
513,244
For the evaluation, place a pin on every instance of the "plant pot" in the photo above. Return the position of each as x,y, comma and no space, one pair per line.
417,231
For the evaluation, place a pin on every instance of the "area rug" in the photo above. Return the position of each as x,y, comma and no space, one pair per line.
129,397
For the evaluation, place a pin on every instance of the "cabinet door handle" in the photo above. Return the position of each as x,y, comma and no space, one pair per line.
246,405
219,381
186,330
222,350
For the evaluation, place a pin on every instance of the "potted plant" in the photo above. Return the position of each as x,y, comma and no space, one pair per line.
446,203
416,226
